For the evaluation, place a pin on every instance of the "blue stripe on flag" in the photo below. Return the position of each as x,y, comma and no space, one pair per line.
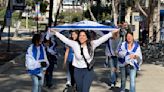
83,27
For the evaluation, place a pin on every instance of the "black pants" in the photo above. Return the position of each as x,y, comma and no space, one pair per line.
71,70
49,72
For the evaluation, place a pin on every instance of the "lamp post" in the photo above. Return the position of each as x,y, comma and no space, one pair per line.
37,10
8,22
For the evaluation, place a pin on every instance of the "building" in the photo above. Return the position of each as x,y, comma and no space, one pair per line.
69,5
162,14
162,20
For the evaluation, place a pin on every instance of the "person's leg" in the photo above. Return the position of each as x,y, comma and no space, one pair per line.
41,81
49,73
51,68
106,63
46,77
35,83
68,75
116,67
123,78
112,72
71,69
78,75
132,80
87,81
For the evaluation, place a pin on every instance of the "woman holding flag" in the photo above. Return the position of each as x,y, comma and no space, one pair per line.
83,56
130,59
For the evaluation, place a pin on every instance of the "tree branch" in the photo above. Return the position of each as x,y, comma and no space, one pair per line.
140,8
89,8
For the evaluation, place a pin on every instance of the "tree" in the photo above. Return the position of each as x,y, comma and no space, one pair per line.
50,13
150,14
43,6
90,12
115,4
3,3
57,13
4,24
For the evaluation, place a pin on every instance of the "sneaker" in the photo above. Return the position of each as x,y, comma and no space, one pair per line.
55,66
105,65
112,85
68,84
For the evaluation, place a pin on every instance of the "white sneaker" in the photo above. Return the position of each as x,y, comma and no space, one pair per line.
112,85
68,83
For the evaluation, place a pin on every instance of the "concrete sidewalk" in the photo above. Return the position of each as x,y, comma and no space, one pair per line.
15,79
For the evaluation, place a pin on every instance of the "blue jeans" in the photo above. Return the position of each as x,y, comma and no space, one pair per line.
83,79
132,74
36,83
113,65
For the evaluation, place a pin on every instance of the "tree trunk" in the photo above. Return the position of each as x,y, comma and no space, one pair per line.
151,24
158,21
128,14
57,13
90,12
18,23
115,12
140,8
50,13
4,24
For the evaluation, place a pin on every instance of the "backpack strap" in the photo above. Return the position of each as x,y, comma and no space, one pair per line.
88,65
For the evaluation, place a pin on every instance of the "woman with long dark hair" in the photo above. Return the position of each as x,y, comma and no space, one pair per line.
68,58
130,61
83,56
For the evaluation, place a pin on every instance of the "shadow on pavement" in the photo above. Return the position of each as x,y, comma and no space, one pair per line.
117,89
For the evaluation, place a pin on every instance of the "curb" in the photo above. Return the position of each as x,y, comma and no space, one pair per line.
9,64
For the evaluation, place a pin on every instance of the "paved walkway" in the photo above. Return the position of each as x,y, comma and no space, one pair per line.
15,79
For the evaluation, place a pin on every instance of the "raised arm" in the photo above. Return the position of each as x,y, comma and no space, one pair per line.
62,38
104,38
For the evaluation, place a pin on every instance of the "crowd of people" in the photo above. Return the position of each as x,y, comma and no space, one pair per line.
123,54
